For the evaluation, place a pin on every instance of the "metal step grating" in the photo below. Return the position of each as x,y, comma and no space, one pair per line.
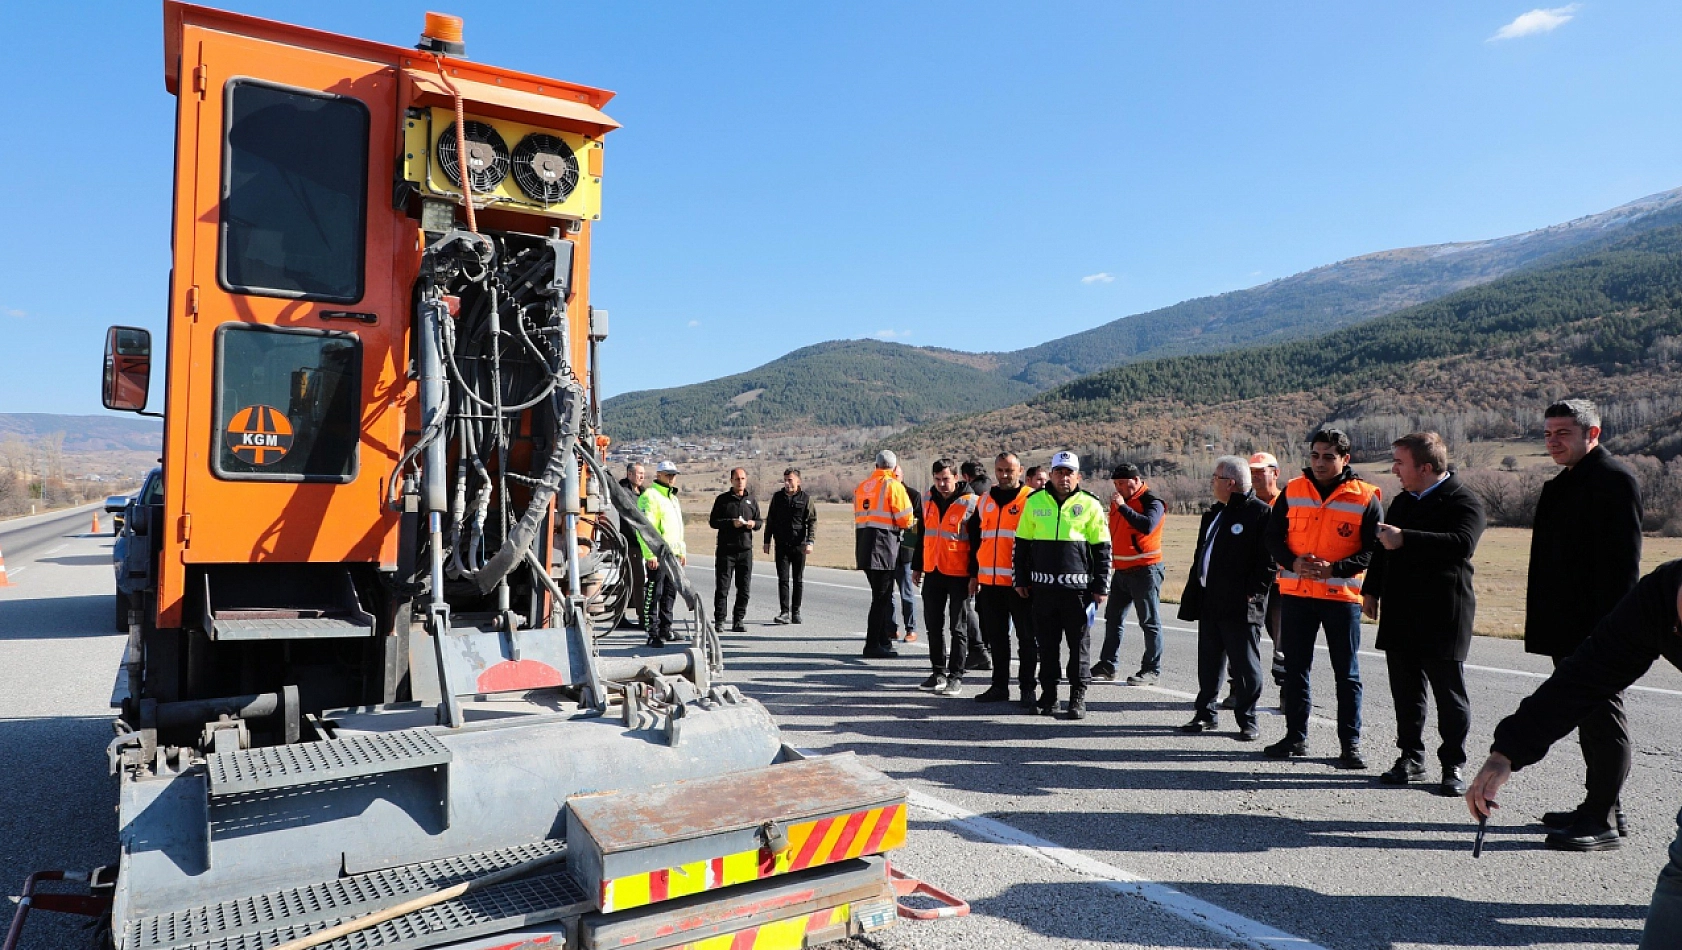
510,906
307,763
321,904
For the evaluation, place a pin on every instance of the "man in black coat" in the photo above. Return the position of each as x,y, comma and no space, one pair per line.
1227,595
735,516
1585,555
1421,578
1644,626
792,522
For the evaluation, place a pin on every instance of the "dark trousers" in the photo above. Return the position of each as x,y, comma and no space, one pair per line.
943,600
1604,736
1059,618
1000,609
1139,588
1224,642
1409,676
972,625
660,595
727,565
791,576
879,628
1301,618
907,597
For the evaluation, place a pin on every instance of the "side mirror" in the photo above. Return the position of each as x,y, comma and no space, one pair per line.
128,368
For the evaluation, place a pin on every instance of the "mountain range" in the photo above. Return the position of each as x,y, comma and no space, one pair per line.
866,383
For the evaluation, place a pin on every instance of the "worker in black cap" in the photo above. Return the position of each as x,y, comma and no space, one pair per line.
1136,516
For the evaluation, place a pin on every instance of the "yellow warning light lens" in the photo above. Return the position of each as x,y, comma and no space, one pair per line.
442,27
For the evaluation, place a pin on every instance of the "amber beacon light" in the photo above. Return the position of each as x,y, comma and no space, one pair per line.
442,35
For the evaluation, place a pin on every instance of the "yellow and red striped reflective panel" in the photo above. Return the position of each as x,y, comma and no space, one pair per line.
787,934
810,844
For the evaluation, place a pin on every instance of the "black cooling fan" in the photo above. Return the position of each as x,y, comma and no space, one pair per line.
487,156
545,168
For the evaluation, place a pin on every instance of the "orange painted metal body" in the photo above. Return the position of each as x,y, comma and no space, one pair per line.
209,520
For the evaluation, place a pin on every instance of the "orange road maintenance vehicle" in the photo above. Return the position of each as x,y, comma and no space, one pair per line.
366,706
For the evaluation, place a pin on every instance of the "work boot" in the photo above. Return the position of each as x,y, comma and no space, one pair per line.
1405,770
738,628
1077,704
954,686
1287,748
935,683
1103,671
1143,678
1351,758
782,618
993,694
1048,704
795,617
1026,700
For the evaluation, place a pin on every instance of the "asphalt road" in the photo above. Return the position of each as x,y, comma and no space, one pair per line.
1118,831
1122,831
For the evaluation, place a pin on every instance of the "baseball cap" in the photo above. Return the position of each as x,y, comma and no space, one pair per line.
1068,460
1125,470
666,468
1263,460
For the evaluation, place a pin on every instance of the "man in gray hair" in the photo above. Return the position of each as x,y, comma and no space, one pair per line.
1226,594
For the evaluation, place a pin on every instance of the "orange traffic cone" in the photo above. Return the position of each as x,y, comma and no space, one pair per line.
96,522
3,581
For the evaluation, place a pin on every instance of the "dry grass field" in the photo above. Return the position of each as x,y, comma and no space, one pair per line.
1501,559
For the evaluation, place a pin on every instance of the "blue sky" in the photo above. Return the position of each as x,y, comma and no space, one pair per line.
976,175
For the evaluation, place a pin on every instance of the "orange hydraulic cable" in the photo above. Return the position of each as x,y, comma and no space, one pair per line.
461,144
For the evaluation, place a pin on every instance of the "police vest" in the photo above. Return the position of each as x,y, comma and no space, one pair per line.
1329,529
1130,548
945,544
998,537
880,502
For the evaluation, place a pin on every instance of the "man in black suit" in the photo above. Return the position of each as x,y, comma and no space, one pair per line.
1227,596
1421,578
1585,556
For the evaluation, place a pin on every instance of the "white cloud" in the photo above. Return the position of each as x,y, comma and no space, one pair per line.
891,334
1537,21
694,323
16,313
1098,278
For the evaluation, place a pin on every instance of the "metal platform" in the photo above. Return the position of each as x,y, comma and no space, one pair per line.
309,763
292,628
268,920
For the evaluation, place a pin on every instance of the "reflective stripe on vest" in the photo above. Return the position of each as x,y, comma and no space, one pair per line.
1329,529
998,538
1128,547
871,506
945,545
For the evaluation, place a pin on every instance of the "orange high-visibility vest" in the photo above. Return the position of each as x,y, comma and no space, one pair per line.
998,537
1329,529
880,501
1129,548
945,543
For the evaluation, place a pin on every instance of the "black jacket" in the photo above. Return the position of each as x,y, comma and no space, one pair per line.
1585,552
1240,568
726,508
1640,629
1426,604
792,520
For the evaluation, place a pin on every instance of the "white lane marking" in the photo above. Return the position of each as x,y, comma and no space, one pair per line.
1211,917
53,551
1501,670
1370,654
15,571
